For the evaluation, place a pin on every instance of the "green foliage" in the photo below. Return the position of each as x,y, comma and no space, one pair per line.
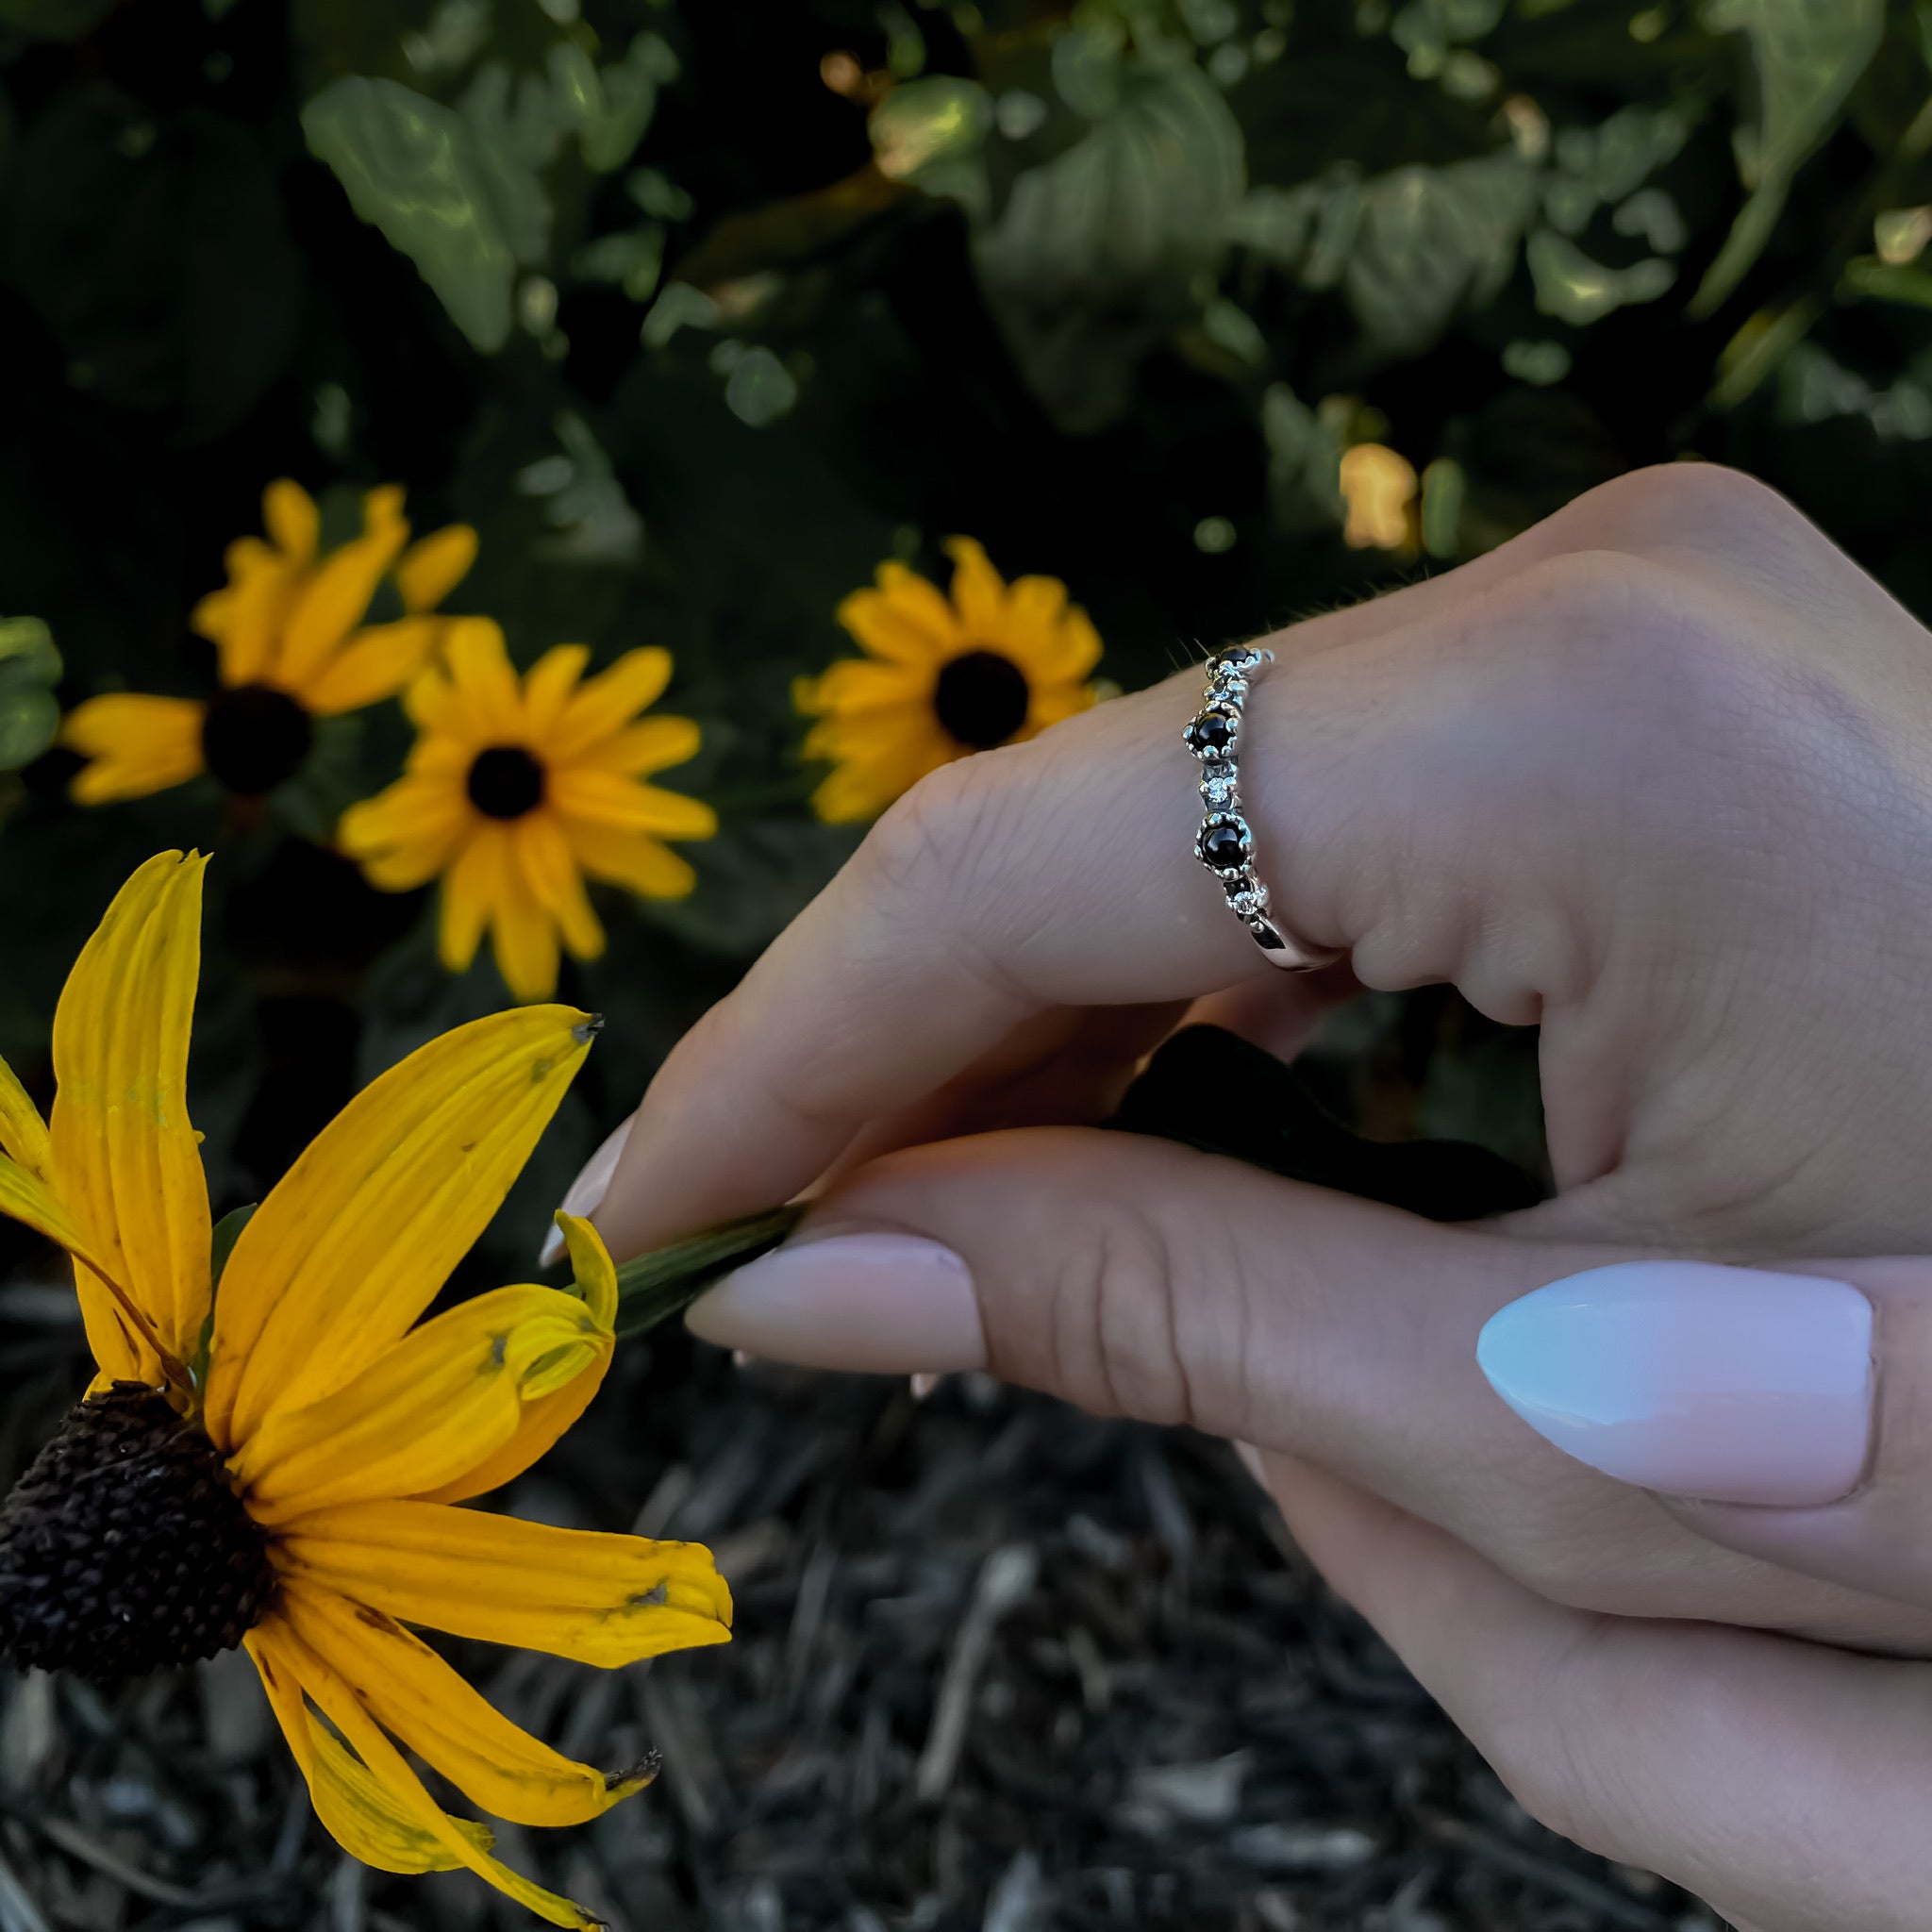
698,312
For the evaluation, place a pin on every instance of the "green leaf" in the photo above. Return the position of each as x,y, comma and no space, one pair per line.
1102,250
53,20
655,1287
29,712
463,208
1807,54
227,1231
1575,288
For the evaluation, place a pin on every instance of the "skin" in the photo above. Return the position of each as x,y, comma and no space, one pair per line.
1655,777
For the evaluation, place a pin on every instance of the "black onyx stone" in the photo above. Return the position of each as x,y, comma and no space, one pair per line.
505,782
1234,660
254,737
1212,731
981,699
1224,847
125,1549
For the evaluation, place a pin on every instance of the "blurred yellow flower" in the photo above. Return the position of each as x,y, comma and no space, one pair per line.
1378,484
279,1466
292,647
942,677
518,788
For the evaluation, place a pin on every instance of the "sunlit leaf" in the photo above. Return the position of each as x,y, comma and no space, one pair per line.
418,171
1808,56
1574,287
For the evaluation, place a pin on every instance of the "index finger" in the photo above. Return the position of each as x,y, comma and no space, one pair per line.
1059,873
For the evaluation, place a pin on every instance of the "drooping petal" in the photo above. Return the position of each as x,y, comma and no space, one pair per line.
552,878
524,939
356,1809
578,1593
401,1787
414,827
473,887
610,701
979,593
23,1136
331,605
632,859
137,744
429,571
545,1421
359,1234
127,1161
375,664
410,1690
430,1407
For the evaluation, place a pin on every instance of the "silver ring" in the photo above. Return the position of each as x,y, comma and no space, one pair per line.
1225,841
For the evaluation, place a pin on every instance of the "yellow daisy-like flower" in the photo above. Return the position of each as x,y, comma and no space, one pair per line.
518,789
941,678
292,647
277,1459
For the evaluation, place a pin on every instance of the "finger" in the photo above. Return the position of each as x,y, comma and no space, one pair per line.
1784,1415
1780,1780
1132,1275
1393,756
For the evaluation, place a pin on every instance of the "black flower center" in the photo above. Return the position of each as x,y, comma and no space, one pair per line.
981,699
255,736
505,782
125,1549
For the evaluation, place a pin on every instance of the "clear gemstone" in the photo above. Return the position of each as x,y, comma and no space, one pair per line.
1218,787
1250,902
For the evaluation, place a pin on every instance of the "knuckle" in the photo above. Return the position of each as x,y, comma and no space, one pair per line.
1689,504
926,836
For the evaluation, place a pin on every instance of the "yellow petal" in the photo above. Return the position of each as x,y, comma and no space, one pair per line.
331,604
652,744
428,572
401,1787
478,882
359,1235
23,1136
551,681
863,684
427,1410
408,1690
545,1421
610,701
524,938
903,622
979,593
485,700
127,1161
607,798
375,664
632,859
291,519
578,1593
425,815
355,1809
552,878
137,744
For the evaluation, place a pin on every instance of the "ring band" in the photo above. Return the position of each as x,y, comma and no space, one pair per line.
1225,842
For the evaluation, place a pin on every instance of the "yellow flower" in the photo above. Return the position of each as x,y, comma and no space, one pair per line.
292,648
1378,484
520,788
941,678
280,1464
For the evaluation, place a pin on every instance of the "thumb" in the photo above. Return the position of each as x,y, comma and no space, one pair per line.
1786,1416
1133,1275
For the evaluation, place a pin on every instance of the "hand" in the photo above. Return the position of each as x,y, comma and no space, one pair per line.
1653,775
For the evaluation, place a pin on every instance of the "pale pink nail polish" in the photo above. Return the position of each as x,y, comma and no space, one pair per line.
586,1194
881,1304
1730,1384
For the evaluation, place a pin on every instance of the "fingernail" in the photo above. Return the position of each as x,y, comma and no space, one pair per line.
1729,1384
881,1304
586,1194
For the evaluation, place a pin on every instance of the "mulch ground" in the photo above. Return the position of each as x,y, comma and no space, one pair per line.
998,1667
